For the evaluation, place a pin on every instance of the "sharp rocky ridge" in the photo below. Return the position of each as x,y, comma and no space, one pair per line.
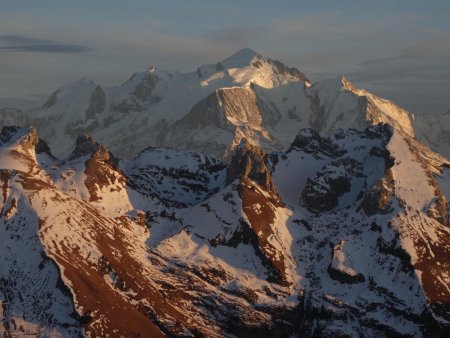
237,200
212,108
343,233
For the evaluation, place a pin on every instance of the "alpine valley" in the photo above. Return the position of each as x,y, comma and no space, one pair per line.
239,200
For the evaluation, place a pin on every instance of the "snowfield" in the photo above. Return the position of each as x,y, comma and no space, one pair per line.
239,200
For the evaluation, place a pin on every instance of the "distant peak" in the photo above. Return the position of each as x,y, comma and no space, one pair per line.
249,57
244,52
241,58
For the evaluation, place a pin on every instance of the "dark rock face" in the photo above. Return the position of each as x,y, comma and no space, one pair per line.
43,148
143,91
51,101
29,136
220,67
311,142
345,278
7,133
141,97
97,103
86,145
280,68
381,130
441,211
322,192
338,269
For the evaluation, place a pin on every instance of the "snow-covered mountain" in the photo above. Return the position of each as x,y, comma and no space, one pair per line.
211,109
338,235
238,200
434,130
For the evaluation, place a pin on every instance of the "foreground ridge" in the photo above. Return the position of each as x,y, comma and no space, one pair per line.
342,234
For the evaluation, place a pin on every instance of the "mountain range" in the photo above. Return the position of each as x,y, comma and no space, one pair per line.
239,200
211,109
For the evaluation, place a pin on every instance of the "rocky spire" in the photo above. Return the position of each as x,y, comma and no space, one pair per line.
86,145
248,162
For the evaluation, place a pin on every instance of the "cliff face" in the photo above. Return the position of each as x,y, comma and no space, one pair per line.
248,162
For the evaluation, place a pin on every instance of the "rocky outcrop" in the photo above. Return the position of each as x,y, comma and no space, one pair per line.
311,142
43,148
341,268
144,90
27,138
249,162
260,198
141,97
322,191
86,145
280,68
51,101
101,168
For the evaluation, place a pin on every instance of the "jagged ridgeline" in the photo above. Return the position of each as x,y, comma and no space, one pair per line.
212,108
299,209
339,234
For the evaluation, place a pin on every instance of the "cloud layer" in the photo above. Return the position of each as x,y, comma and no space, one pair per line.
26,44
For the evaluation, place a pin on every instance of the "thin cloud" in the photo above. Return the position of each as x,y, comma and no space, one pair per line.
25,44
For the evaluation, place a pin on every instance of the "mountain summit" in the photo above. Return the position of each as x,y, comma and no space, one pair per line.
241,58
250,96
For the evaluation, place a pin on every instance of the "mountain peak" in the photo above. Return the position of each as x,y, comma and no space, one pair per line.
242,58
86,145
248,161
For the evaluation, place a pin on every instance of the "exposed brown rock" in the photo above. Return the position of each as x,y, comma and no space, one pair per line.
86,145
260,199
248,161
260,212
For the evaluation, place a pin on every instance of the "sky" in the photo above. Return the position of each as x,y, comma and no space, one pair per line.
397,49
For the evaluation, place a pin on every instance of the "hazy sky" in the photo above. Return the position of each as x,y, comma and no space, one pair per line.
397,49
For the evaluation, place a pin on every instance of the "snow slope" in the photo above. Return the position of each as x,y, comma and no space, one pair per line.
212,108
341,234
434,130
